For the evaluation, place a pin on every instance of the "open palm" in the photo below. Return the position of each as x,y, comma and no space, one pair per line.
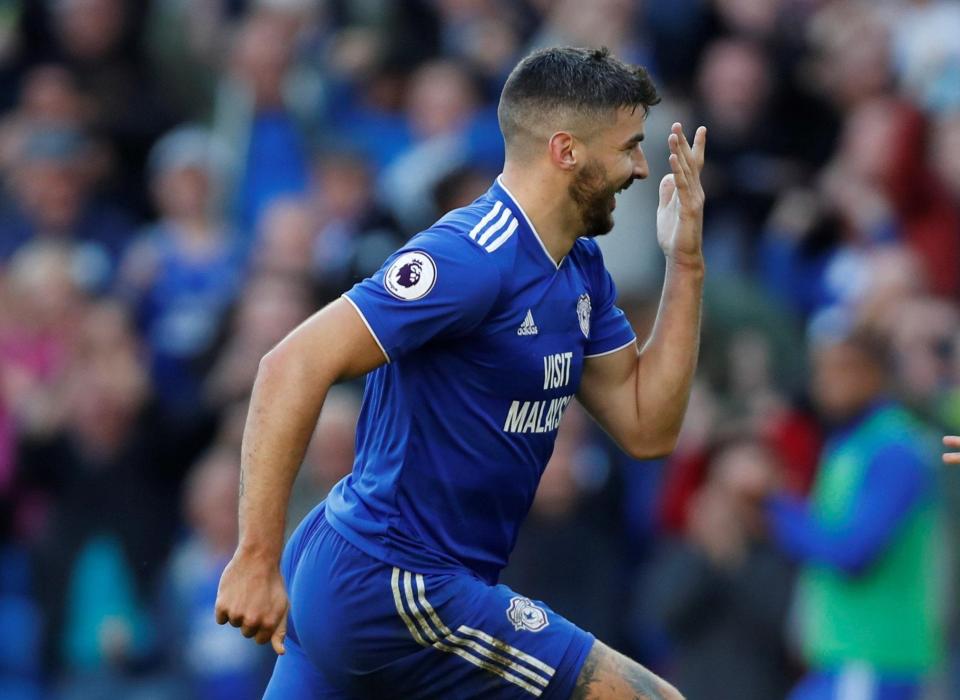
680,213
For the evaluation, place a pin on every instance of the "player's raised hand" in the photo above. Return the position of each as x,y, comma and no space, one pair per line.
252,597
680,214
952,441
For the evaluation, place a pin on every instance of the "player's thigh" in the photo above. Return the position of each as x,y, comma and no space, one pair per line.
482,641
609,675
296,678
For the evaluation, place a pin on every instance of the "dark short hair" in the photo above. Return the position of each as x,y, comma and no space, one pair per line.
589,82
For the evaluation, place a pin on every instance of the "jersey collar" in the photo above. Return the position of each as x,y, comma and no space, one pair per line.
503,188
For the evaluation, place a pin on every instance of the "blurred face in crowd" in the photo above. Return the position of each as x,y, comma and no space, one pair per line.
331,451
867,142
183,193
109,382
733,83
262,56
271,306
90,29
846,379
746,471
212,499
285,243
854,62
50,96
441,99
51,192
345,187
44,293
612,160
945,153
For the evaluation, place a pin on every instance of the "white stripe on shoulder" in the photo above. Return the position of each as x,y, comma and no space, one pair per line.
494,227
502,238
486,219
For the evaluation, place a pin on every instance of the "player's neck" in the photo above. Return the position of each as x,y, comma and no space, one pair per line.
547,206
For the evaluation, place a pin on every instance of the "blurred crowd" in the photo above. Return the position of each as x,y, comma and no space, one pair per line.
184,181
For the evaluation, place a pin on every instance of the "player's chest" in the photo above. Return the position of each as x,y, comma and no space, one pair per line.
532,343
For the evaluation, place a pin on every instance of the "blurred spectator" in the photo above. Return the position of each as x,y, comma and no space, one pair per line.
112,493
449,129
723,592
39,328
184,272
213,660
255,118
870,600
269,307
567,552
734,87
49,99
52,199
329,455
354,233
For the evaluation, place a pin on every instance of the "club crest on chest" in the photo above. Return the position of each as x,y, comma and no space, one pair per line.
583,314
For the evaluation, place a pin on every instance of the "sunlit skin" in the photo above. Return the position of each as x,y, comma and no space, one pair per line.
953,442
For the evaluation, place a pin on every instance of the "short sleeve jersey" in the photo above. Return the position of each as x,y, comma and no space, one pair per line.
485,337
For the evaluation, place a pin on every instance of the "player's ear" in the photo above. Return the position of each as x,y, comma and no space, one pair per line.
562,150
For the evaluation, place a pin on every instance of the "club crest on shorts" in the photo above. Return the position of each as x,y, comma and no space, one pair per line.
525,615
583,314
411,276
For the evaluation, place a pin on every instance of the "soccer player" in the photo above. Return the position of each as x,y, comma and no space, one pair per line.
476,335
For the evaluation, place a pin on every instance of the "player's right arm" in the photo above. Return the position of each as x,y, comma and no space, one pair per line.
292,382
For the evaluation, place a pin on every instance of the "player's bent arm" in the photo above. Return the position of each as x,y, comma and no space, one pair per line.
640,396
291,384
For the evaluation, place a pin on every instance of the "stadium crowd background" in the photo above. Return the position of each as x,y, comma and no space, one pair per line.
183,181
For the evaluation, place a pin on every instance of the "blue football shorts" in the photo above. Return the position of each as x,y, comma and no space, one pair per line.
361,628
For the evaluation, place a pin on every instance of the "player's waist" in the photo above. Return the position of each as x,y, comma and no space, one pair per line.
396,548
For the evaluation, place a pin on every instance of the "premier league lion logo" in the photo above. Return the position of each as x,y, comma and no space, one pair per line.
525,615
583,314
409,274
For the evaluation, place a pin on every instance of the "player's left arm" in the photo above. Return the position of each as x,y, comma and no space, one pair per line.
639,395
953,442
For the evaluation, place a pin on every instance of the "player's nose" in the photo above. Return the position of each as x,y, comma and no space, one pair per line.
640,168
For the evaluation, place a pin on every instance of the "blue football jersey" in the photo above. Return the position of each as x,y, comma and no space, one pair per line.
485,337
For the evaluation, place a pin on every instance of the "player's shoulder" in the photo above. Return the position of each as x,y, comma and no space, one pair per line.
487,226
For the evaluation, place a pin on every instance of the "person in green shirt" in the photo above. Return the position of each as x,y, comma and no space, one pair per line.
868,538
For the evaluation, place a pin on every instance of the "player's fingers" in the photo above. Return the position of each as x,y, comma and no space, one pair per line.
249,629
222,615
951,440
952,458
685,150
667,188
279,636
679,177
684,156
699,146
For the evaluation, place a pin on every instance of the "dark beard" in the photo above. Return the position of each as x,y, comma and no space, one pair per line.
591,193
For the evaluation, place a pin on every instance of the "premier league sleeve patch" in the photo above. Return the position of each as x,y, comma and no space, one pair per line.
411,276
526,615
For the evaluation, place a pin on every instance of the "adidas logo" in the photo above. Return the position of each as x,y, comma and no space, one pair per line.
528,327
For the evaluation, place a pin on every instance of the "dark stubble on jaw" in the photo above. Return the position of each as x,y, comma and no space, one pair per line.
591,193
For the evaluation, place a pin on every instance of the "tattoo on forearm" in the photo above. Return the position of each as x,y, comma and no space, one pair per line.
604,671
587,677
